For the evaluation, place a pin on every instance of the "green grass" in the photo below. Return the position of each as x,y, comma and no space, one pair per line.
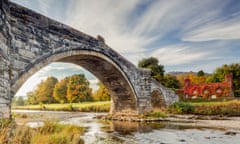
227,108
103,106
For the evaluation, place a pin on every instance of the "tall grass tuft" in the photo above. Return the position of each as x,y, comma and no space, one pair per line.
52,132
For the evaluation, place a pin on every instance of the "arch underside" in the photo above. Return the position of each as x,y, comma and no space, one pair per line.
157,99
122,96
115,80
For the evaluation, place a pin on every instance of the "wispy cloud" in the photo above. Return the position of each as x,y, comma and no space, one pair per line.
178,54
132,27
218,30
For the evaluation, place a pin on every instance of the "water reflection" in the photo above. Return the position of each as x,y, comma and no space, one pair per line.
126,127
166,132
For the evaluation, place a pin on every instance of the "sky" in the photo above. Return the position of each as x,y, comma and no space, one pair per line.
185,35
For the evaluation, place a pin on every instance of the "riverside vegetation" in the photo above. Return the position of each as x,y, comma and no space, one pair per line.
52,132
227,108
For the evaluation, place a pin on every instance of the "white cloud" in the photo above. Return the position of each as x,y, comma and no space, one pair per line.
218,30
30,85
177,55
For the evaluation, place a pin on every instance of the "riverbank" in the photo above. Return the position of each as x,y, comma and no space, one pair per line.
216,114
188,128
219,122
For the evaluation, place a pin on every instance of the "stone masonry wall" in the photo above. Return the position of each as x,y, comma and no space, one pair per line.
4,61
169,96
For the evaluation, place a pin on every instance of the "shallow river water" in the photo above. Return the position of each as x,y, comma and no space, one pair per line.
107,132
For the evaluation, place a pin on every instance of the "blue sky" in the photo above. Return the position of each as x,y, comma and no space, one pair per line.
185,35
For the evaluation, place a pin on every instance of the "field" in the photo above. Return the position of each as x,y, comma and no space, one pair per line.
103,106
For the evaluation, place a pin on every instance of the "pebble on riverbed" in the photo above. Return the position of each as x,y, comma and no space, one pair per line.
231,133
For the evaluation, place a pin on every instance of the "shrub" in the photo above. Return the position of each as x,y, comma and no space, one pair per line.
156,114
181,108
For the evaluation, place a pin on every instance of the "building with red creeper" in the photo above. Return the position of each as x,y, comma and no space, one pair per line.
209,90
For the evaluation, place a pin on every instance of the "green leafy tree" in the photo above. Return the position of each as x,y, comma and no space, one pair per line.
78,89
102,93
171,81
219,75
44,91
200,73
60,90
157,70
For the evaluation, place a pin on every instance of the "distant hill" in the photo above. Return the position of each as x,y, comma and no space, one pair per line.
175,73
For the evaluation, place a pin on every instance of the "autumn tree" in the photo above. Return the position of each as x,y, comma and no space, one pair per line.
32,97
60,90
220,73
102,93
44,91
78,89
201,77
157,70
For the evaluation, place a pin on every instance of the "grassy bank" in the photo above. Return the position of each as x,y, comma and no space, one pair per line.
51,132
228,108
103,106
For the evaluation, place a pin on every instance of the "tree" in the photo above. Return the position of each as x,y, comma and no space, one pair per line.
20,101
102,93
201,78
171,81
219,75
44,91
181,78
157,70
78,89
32,98
60,90
200,73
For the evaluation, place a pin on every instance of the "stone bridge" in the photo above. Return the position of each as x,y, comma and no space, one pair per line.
29,41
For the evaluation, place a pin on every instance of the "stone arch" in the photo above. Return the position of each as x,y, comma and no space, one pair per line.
106,70
157,99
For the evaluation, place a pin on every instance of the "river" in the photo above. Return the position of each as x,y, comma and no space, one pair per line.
114,132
